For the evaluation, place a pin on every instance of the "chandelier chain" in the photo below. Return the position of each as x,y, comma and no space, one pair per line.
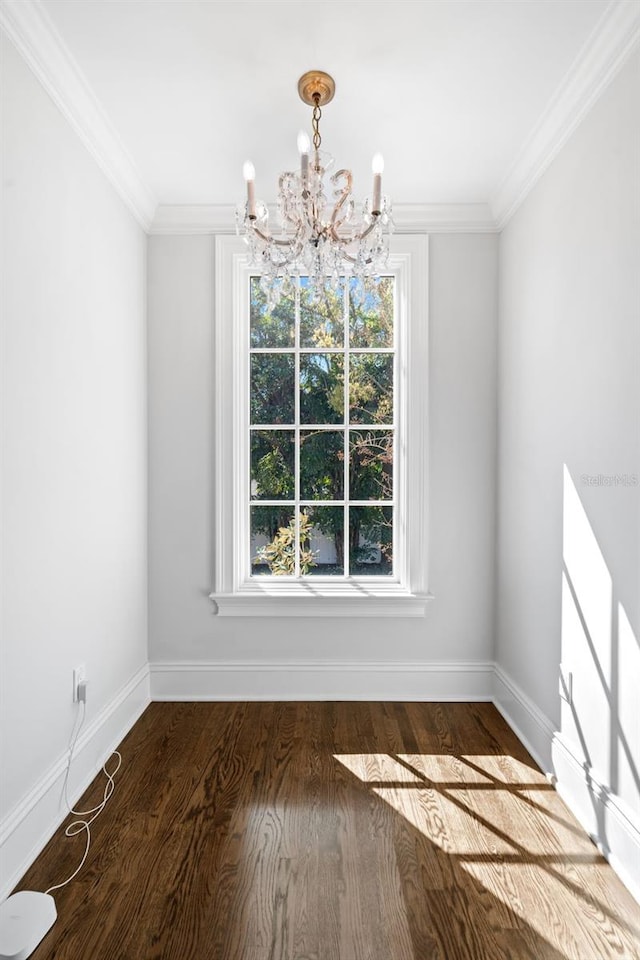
315,122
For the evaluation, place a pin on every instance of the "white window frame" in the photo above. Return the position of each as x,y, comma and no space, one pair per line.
235,592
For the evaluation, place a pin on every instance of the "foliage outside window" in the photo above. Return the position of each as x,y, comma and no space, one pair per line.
322,430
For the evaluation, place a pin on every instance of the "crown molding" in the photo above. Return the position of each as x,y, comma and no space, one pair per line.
30,29
193,218
607,48
176,219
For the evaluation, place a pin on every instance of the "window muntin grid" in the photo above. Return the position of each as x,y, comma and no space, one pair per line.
334,363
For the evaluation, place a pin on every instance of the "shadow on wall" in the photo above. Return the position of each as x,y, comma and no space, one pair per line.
600,718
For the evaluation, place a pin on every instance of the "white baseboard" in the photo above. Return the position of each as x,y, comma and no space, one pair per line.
529,724
610,823
322,680
30,825
612,826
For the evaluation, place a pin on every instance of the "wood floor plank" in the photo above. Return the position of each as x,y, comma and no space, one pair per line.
332,831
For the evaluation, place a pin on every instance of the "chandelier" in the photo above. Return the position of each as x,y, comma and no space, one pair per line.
325,238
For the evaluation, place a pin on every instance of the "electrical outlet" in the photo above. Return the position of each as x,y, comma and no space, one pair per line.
79,674
565,685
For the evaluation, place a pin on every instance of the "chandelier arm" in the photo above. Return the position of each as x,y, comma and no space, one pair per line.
286,209
342,197
354,260
358,237
309,212
270,239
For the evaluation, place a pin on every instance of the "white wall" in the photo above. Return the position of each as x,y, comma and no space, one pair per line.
569,409
459,622
73,444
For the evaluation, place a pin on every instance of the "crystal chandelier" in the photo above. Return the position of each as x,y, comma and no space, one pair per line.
326,239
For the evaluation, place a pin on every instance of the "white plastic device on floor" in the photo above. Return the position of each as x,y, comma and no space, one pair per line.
25,918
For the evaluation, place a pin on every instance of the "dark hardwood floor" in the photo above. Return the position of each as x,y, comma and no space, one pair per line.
332,831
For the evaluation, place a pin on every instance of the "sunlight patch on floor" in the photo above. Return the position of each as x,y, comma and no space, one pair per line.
377,768
505,768
488,814
441,768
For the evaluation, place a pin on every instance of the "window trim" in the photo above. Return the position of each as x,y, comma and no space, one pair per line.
404,595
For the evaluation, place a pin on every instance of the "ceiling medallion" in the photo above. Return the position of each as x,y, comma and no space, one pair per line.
324,239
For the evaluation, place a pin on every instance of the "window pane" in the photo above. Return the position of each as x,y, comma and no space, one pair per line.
272,541
271,327
321,322
272,465
272,388
321,465
324,528
321,388
371,465
371,312
371,388
371,541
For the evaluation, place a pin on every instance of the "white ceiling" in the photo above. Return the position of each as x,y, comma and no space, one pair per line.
448,90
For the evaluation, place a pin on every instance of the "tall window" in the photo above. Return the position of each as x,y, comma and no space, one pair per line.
321,435
321,430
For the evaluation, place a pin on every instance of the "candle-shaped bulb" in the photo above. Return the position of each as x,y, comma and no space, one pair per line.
304,144
377,164
249,173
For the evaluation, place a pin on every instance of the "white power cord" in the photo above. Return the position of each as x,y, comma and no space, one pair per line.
77,826
27,916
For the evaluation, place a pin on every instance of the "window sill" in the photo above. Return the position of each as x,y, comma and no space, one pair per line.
321,600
